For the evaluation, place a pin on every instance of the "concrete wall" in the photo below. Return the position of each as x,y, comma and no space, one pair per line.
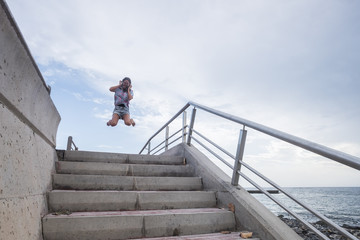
250,214
28,126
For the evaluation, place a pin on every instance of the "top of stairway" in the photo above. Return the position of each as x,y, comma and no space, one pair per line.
89,156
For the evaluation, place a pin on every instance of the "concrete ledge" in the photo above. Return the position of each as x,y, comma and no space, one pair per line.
136,224
81,201
89,156
22,87
103,182
98,168
28,127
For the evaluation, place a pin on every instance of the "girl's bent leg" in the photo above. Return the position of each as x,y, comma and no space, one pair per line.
114,121
128,121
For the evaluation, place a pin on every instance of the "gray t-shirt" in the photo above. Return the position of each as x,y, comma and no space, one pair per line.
121,97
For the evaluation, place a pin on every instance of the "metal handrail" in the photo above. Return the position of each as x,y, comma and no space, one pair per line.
319,215
166,139
71,143
214,144
169,144
166,124
335,155
327,152
338,156
316,231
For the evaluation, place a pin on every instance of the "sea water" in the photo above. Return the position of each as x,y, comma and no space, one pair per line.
339,204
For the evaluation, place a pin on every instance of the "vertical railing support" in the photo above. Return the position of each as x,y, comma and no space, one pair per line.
191,125
69,143
239,157
184,127
149,148
166,138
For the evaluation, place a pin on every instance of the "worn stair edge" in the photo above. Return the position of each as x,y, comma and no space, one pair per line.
122,169
88,156
106,182
137,224
209,236
78,201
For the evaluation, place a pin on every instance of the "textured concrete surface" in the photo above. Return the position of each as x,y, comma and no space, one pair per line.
105,182
26,165
136,224
23,89
28,126
111,206
20,217
103,168
89,156
226,235
80,201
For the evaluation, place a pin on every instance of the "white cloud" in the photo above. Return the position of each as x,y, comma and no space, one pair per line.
288,65
104,115
80,97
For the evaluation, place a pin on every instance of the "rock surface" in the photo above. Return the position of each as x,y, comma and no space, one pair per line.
330,232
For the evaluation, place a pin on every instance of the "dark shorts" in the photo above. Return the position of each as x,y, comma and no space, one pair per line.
121,110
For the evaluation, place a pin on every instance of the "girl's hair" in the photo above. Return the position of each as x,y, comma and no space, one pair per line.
126,78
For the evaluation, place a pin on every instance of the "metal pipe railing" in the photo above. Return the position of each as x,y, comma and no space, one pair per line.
335,155
167,138
311,210
330,153
169,144
317,232
71,143
317,214
166,124
213,153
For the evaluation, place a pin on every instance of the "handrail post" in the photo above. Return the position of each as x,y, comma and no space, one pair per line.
166,138
184,127
191,125
149,148
69,143
239,157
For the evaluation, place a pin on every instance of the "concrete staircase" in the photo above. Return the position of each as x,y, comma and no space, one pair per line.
125,196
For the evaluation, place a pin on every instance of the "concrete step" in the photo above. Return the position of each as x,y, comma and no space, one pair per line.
210,236
136,224
86,156
101,168
104,182
81,201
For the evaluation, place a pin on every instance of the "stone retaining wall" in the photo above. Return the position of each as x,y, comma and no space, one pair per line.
28,126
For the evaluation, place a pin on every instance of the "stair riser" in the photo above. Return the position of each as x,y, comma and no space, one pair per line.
93,228
99,182
84,156
124,227
81,201
96,168
210,236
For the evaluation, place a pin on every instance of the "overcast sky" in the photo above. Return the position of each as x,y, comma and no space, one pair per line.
289,65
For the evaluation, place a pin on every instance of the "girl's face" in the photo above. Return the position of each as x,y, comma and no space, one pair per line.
126,83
